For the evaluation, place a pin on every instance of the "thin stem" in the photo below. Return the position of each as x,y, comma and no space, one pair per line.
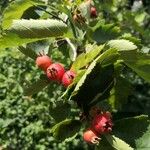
53,15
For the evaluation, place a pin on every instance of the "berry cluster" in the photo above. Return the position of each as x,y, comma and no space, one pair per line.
101,124
55,71
78,18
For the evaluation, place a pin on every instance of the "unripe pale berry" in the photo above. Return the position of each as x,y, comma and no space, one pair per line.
68,77
91,137
55,72
93,12
75,18
102,123
43,62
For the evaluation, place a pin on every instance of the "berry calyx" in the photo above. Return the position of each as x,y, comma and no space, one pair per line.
68,77
93,12
91,137
55,72
43,62
102,123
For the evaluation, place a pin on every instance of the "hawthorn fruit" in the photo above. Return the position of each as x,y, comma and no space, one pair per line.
55,72
43,62
102,123
91,137
68,77
93,12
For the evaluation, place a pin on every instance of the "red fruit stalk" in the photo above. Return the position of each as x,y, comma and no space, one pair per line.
43,62
93,12
55,72
102,123
68,77
91,137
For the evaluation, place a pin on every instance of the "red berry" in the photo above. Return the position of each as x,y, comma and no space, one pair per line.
102,123
93,12
43,62
91,137
68,77
55,72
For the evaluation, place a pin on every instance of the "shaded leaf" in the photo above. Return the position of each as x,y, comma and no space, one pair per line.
60,111
106,32
83,78
13,40
28,52
66,129
95,86
120,93
108,57
36,87
126,129
41,46
138,62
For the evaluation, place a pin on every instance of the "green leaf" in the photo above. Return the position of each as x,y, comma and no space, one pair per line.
104,145
122,45
23,31
129,37
37,86
126,129
41,46
28,52
117,143
13,40
38,28
85,9
15,10
138,62
72,50
83,78
96,77
111,142
143,142
66,129
110,56
120,92
95,87
58,109
84,59
106,32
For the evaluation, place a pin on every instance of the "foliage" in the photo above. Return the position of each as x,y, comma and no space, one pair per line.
110,55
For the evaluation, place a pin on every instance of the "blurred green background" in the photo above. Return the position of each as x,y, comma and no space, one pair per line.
25,121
